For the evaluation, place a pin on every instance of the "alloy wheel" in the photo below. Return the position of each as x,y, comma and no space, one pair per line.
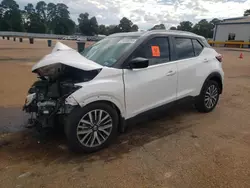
211,96
94,128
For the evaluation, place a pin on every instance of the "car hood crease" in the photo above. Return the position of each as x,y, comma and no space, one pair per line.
62,53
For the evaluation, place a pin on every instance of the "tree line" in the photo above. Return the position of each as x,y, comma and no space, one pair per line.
203,27
41,18
55,18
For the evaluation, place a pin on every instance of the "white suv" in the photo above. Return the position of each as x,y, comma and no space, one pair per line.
120,77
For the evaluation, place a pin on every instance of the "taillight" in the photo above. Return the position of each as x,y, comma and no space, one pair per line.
219,58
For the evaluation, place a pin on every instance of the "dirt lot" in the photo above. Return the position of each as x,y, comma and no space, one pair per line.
179,148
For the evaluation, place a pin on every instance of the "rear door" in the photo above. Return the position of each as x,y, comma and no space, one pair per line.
155,85
191,65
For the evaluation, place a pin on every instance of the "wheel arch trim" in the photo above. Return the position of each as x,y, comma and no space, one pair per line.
212,76
105,98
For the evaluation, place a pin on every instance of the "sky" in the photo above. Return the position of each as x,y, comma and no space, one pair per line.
147,13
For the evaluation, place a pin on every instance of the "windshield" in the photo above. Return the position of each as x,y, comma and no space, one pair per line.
107,51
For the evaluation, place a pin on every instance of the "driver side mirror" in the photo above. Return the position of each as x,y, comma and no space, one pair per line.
138,63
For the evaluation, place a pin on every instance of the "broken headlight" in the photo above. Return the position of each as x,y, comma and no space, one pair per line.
50,71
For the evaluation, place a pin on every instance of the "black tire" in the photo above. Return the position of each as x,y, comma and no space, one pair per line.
72,123
200,100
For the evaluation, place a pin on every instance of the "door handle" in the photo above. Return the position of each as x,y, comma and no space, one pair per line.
171,73
205,61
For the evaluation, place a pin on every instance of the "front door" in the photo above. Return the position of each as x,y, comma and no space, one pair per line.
155,85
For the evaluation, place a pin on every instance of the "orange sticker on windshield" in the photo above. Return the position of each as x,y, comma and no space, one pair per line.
155,51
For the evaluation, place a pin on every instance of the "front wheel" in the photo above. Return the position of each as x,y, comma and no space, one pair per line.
91,128
208,98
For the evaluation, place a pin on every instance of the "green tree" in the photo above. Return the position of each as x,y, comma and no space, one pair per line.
93,25
83,21
58,19
162,26
51,16
214,22
1,17
11,16
204,28
134,27
112,29
125,24
29,9
63,23
64,27
9,5
41,9
88,26
102,30
247,12
158,27
35,25
33,20
173,28
62,11
1,12
185,26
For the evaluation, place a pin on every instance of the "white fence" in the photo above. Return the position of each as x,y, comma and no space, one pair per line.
47,36
30,35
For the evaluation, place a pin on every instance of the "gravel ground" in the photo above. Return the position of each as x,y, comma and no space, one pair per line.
177,148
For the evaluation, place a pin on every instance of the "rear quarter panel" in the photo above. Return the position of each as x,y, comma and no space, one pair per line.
211,66
193,72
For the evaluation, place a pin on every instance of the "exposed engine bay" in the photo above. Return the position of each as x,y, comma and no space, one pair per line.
46,98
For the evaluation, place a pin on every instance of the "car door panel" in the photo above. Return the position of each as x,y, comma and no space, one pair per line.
155,85
191,66
149,88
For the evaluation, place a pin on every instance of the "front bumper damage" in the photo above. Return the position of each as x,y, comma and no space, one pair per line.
59,74
47,114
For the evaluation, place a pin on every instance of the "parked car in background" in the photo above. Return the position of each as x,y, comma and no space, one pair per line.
65,38
82,38
121,77
70,38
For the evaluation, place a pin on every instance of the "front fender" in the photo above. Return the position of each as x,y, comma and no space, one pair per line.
101,97
107,86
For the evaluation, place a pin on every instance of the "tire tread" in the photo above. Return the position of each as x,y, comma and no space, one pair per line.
199,100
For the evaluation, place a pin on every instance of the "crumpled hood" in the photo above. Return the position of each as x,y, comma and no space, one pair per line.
62,53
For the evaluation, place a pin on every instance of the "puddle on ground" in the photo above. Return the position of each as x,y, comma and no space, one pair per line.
12,119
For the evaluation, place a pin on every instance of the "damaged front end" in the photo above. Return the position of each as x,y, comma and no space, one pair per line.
49,99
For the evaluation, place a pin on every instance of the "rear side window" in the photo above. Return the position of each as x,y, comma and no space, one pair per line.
184,48
205,43
197,47
156,50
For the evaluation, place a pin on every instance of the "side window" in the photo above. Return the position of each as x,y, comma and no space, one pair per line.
184,48
197,47
156,50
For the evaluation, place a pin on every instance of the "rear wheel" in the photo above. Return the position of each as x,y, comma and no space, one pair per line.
208,98
91,128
